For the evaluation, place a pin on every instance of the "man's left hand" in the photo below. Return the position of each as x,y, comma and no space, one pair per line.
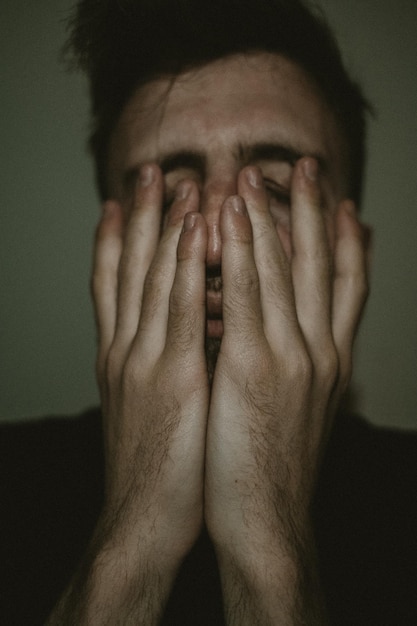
290,315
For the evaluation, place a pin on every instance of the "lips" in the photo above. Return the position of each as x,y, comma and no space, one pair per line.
214,307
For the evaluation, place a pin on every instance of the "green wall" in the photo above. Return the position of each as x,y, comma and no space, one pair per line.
49,208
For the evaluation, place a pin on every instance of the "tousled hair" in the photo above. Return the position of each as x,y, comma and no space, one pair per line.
123,44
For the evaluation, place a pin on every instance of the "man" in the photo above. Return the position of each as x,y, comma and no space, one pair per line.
229,279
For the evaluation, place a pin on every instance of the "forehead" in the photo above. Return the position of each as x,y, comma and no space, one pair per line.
224,108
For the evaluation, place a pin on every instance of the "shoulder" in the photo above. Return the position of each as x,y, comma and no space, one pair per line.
61,430
51,486
361,454
366,516
369,479
47,463
50,452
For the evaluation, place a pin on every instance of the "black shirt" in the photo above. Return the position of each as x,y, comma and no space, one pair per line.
51,490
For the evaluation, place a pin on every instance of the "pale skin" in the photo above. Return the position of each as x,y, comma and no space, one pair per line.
240,454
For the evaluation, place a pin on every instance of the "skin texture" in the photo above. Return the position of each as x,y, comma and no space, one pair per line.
272,244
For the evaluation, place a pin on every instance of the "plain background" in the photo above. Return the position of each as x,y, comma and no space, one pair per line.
49,209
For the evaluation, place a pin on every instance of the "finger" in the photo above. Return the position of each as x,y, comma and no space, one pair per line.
141,238
242,312
311,261
186,321
350,284
107,251
152,330
277,297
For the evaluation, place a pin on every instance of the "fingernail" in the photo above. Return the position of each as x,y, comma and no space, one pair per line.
182,190
238,205
253,176
189,222
146,176
310,169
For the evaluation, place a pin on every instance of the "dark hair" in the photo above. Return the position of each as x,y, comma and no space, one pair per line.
122,44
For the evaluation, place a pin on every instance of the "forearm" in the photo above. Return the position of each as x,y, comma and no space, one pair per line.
116,584
272,586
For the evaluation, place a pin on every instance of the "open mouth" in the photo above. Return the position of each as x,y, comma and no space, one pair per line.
214,309
214,328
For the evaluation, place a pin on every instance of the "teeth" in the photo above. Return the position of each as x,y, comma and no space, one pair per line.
214,284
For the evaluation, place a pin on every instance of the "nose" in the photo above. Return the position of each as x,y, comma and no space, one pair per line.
213,196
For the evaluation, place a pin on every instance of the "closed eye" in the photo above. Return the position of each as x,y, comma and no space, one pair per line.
277,192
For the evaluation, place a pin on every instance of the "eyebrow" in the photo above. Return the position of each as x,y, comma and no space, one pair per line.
183,159
246,155
263,151
270,151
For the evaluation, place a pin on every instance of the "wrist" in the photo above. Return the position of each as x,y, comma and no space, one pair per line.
116,582
133,547
278,579
257,559
150,535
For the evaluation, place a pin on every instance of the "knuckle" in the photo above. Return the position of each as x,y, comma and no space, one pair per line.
182,323
129,377
245,325
112,367
327,369
295,368
183,291
179,302
263,227
358,283
277,293
246,280
152,285
345,373
299,367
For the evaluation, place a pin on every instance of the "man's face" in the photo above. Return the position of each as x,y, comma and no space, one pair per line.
205,125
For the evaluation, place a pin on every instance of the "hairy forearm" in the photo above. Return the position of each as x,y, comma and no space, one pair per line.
115,585
272,588
114,600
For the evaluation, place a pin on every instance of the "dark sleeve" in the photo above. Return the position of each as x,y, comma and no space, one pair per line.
366,525
50,492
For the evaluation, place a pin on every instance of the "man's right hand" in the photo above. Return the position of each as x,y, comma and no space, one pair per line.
149,295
